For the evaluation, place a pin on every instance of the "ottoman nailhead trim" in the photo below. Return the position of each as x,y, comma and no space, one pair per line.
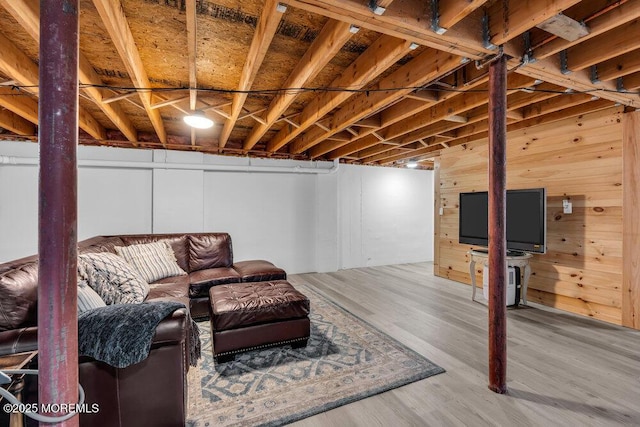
257,347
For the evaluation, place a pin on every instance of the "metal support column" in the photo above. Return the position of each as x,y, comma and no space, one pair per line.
57,239
497,227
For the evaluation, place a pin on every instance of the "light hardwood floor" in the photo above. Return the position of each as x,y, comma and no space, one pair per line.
562,369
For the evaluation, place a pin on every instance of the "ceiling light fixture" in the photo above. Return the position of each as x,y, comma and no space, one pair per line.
412,164
198,120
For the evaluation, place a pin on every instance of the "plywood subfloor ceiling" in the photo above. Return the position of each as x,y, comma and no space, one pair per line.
367,82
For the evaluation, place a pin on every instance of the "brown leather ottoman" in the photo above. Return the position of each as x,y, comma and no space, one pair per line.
246,316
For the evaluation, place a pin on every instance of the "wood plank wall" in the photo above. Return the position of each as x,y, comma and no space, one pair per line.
631,237
579,159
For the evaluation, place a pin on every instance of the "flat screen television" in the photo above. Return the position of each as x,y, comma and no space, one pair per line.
526,219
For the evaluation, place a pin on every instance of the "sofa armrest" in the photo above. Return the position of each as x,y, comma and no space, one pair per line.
18,340
170,330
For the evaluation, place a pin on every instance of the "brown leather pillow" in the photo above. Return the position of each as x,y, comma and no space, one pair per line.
210,251
19,301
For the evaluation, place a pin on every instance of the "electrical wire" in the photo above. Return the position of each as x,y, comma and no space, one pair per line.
326,89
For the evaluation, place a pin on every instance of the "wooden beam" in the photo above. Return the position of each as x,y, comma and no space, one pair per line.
18,66
548,70
631,226
382,54
19,103
169,102
626,12
423,95
332,37
408,22
619,67
266,29
115,21
632,81
27,13
426,67
564,27
509,19
454,11
190,13
16,124
606,46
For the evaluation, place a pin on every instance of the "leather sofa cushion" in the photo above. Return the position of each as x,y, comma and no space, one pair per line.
259,271
171,289
178,242
203,280
99,244
18,297
209,251
244,304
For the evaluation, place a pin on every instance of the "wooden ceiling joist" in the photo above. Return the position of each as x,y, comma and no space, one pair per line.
19,103
606,46
115,21
404,24
600,24
451,12
15,123
265,31
333,36
18,66
419,71
509,19
619,67
382,54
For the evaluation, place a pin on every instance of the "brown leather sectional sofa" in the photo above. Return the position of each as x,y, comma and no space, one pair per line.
153,392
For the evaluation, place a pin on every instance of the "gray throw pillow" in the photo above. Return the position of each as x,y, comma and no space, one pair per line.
112,278
88,299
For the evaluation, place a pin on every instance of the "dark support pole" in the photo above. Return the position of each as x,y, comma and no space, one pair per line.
58,137
497,228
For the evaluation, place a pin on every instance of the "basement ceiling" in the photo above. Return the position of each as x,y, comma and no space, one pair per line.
367,82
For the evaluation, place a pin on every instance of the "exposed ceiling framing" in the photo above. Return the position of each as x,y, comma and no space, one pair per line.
365,82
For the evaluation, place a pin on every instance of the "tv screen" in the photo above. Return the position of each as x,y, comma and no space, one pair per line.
525,221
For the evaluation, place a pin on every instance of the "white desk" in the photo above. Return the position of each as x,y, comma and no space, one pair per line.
520,260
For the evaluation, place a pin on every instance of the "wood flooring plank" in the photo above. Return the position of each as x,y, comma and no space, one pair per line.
563,369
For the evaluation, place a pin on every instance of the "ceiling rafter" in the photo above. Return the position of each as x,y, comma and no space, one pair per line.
382,54
453,11
420,71
521,16
265,31
332,37
619,67
27,13
18,66
398,112
606,46
622,14
15,123
115,21
22,104
405,23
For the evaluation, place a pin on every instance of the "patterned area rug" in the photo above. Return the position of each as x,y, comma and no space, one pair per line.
345,360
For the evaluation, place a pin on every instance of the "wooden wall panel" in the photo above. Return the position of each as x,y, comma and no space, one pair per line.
631,268
579,159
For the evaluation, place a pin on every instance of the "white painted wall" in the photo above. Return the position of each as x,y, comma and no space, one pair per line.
385,215
355,217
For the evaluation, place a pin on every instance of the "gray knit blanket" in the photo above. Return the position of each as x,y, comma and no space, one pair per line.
121,334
